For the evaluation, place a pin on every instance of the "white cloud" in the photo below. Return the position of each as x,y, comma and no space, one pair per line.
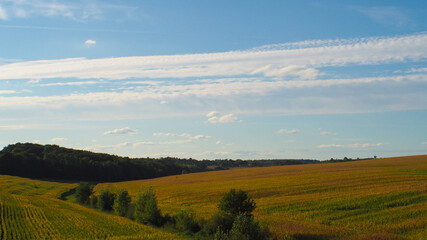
125,130
288,132
58,139
74,10
418,70
326,133
7,91
300,62
184,135
424,143
292,70
354,145
90,43
69,83
3,14
216,117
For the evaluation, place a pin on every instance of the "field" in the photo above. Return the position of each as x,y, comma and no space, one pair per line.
370,199
29,210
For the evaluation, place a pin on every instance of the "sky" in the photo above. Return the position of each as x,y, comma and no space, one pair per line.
216,79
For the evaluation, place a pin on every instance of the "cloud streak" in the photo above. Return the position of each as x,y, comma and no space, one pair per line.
121,131
354,145
269,63
216,117
288,132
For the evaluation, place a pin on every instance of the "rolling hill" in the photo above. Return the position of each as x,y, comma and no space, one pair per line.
370,199
29,210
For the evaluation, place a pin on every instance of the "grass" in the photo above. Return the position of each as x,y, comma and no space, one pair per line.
370,199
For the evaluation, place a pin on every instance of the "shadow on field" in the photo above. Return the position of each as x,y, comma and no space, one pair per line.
64,196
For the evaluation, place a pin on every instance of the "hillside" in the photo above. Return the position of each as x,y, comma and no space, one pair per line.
54,162
29,210
370,199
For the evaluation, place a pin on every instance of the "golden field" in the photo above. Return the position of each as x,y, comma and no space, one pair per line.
369,199
29,210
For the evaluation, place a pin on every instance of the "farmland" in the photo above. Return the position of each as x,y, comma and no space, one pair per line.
29,210
371,199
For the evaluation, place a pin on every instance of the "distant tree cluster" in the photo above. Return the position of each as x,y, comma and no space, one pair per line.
54,162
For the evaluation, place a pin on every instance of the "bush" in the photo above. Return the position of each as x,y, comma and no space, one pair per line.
235,221
220,221
185,222
93,201
105,200
83,192
146,210
245,228
236,202
121,203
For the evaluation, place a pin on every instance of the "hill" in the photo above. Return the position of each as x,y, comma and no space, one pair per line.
370,199
29,210
54,162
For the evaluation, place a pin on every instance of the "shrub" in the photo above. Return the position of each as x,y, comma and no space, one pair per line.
121,203
185,221
146,210
220,221
105,200
236,202
245,228
83,192
93,201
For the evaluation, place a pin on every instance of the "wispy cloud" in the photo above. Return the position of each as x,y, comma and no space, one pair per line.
216,117
3,14
7,91
301,62
288,132
326,133
66,83
183,135
90,43
120,131
74,10
354,145
388,15
58,139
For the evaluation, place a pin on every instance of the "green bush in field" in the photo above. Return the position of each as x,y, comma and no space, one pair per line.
105,200
83,192
121,203
186,222
236,202
246,228
220,221
235,221
146,210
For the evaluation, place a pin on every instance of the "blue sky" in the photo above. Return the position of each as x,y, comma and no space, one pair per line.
216,79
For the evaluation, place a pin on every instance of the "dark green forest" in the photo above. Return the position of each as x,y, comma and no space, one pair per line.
55,162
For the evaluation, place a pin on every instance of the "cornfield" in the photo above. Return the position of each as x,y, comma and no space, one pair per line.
370,199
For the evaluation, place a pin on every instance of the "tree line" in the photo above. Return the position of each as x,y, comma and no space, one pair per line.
55,162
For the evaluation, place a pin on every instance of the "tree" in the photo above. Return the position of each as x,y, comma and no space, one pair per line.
146,210
236,202
105,200
186,222
83,192
245,228
121,203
